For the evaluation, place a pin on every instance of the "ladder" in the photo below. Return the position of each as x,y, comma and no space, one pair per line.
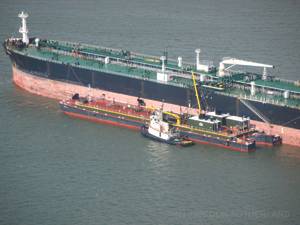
256,111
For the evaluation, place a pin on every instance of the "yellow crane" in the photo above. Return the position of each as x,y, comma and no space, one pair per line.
196,92
174,116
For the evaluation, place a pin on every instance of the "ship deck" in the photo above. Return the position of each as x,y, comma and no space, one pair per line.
145,67
121,109
141,113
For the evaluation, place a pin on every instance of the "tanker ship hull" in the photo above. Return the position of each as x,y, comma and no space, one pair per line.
61,80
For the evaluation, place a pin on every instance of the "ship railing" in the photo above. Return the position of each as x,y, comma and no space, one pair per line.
284,80
96,56
131,65
107,50
119,61
281,90
96,47
174,61
288,81
264,99
76,44
134,64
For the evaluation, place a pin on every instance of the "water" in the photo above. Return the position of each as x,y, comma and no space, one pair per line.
57,170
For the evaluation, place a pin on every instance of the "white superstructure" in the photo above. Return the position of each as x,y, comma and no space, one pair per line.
159,128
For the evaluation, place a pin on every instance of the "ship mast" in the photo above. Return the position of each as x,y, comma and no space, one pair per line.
23,29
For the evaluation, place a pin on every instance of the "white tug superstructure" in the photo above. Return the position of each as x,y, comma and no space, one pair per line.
160,128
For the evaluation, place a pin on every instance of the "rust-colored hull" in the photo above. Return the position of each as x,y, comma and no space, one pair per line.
61,90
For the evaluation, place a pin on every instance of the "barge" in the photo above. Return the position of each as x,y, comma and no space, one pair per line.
199,129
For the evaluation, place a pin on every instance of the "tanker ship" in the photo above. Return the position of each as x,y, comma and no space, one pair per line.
58,69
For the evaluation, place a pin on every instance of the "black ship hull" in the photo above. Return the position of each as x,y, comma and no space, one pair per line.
143,88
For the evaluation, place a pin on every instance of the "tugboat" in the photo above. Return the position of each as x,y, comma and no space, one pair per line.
162,131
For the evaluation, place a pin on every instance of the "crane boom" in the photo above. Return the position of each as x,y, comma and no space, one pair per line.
196,92
233,61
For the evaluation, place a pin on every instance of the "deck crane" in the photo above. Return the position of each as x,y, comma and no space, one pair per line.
233,62
196,92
